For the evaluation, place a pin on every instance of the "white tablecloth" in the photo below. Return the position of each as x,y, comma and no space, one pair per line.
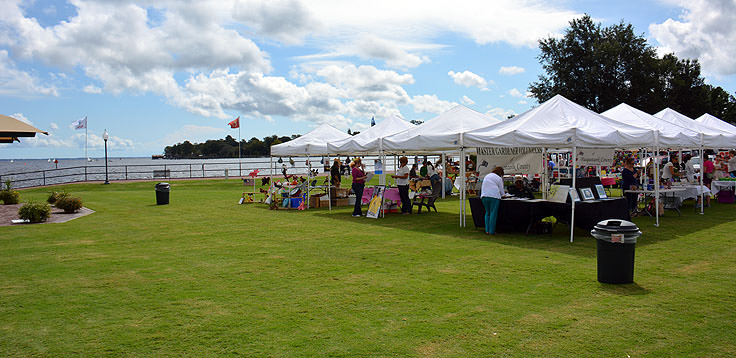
723,184
691,191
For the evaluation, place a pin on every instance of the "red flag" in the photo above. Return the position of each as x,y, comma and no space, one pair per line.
235,123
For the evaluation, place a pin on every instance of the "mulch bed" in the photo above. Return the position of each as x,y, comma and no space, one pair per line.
10,212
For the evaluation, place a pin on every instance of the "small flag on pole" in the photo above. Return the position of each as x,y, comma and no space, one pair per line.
373,121
235,123
80,123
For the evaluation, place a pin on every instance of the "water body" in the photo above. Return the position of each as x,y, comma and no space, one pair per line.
36,172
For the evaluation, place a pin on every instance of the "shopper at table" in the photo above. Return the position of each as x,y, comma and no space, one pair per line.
359,176
335,176
520,190
402,182
708,168
490,195
732,163
668,172
413,171
629,182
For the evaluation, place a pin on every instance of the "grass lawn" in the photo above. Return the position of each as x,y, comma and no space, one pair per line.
206,277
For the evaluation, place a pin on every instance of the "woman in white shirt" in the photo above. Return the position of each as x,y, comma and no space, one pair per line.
402,182
490,194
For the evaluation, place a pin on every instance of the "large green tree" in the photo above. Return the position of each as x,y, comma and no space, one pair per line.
600,67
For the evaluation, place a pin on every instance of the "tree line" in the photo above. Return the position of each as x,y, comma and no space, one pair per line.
224,148
601,67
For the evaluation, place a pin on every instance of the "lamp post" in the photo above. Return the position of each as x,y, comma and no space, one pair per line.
105,137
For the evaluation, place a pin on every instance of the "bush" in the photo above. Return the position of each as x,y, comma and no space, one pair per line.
35,212
55,196
69,204
9,197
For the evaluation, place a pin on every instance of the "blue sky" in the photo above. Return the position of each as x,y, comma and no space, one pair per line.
155,73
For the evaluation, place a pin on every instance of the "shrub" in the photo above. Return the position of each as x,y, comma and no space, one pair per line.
35,212
9,197
69,204
55,196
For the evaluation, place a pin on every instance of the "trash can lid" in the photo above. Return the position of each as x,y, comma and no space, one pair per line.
162,184
616,225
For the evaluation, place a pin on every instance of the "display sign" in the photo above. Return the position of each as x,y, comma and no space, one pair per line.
558,193
521,160
378,167
374,207
594,157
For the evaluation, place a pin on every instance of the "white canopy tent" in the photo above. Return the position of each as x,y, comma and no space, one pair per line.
667,134
369,140
560,123
715,122
441,133
312,143
710,137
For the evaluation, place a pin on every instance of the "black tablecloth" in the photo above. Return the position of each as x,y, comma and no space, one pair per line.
521,215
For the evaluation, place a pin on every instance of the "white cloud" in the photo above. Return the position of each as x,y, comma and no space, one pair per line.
500,113
22,118
17,83
523,101
394,54
515,93
468,79
467,101
53,126
92,89
288,21
511,70
706,31
430,104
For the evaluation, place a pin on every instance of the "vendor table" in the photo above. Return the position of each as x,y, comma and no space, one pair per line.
723,184
693,191
521,214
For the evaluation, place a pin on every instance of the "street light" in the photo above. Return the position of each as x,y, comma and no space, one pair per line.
105,136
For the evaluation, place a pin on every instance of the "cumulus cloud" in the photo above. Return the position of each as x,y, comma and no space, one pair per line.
431,104
17,83
22,118
705,31
511,70
92,89
515,93
499,113
53,126
287,21
394,54
468,79
467,101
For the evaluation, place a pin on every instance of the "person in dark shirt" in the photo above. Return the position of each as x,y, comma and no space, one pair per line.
520,190
628,182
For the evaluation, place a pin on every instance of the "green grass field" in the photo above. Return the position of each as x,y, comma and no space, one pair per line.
206,277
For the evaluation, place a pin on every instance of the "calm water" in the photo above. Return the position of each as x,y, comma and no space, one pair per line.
34,172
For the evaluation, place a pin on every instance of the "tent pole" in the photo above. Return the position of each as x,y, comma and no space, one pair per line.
444,172
702,173
545,173
309,179
462,184
572,200
656,188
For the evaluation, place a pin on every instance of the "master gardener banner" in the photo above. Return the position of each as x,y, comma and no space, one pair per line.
522,160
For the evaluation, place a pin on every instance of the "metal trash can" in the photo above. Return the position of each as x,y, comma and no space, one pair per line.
616,243
162,193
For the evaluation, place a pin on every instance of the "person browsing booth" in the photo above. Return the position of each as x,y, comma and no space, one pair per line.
402,182
490,195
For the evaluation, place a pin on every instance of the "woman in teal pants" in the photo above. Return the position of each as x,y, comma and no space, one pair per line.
490,195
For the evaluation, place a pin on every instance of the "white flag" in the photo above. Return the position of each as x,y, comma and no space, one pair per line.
80,123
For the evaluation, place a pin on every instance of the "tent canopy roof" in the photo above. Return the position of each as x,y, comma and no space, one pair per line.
711,137
11,127
717,123
312,143
560,122
439,133
369,139
668,134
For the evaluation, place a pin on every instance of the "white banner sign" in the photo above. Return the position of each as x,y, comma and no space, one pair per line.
593,157
512,160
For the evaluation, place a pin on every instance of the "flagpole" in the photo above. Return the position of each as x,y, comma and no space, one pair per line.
86,156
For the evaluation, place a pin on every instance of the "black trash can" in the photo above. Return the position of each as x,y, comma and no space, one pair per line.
616,243
162,193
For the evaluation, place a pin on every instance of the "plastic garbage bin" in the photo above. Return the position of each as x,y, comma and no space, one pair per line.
616,242
162,193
